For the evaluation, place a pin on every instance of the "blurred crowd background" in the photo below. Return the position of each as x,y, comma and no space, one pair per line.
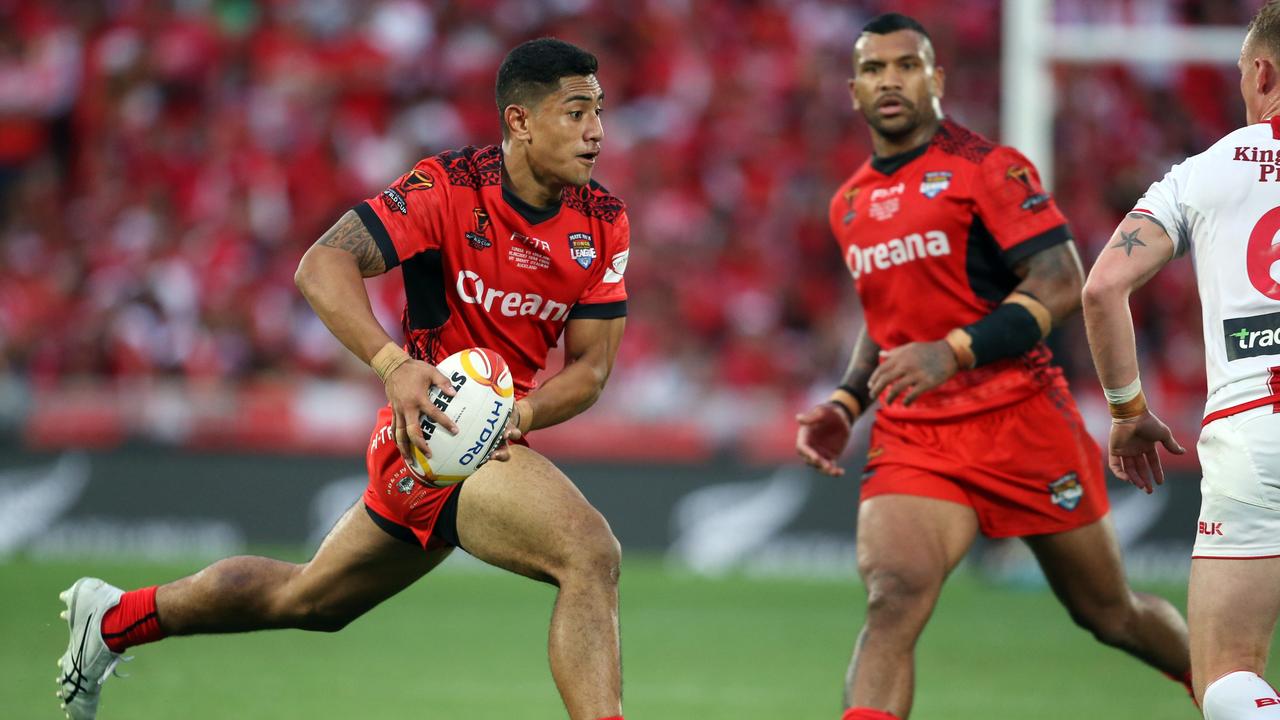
164,164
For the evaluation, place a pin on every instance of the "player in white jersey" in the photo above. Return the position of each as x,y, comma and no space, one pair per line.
1221,207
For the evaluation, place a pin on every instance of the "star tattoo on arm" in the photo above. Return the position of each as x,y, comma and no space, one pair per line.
1127,241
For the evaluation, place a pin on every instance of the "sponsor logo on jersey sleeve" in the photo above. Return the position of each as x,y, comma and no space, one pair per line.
394,201
1252,336
476,238
934,183
850,196
617,268
1066,491
1037,199
582,249
417,180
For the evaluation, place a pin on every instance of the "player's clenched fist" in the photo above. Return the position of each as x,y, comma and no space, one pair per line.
408,388
824,431
911,369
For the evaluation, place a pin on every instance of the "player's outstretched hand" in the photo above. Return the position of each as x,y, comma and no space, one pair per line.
909,370
1131,452
407,390
823,433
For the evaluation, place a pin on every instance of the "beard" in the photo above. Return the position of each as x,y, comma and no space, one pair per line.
899,127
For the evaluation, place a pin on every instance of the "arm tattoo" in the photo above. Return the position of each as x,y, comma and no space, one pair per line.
1056,261
1053,277
1178,251
1127,241
350,234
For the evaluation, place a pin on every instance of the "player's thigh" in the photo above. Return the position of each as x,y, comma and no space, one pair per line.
1234,595
526,516
1232,605
908,544
1083,566
358,565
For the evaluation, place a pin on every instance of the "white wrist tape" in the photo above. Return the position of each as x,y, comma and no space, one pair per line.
1125,394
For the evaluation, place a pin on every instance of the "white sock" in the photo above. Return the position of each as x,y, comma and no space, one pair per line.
1240,696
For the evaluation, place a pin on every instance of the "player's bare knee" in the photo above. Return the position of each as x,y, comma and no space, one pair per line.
593,553
895,596
1110,621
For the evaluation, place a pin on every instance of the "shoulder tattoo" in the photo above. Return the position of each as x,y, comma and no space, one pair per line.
350,234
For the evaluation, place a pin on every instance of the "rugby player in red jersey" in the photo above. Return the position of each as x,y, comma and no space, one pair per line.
505,247
963,264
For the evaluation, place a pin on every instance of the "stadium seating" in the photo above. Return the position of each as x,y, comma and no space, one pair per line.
164,165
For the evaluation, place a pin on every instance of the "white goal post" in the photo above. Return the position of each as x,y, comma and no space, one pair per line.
1032,44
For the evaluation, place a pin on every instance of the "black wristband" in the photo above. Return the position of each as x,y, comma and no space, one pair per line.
848,414
863,396
1009,331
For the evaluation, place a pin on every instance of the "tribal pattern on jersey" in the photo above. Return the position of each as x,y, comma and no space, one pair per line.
472,167
594,202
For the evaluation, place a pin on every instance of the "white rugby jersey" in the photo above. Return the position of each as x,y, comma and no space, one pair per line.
1224,204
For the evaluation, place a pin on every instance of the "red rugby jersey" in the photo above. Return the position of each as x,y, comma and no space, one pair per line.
931,237
483,268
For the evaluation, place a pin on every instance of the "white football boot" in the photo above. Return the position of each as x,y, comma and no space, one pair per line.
88,662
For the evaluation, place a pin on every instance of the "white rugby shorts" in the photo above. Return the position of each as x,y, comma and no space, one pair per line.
1240,491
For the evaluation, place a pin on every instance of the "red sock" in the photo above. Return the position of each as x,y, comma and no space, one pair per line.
861,713
612,717
133,621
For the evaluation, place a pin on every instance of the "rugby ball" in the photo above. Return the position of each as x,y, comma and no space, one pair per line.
483,399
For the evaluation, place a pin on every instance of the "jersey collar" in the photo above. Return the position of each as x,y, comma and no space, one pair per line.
891,164
532,215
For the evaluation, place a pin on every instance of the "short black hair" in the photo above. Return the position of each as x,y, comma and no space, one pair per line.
534,68
893,22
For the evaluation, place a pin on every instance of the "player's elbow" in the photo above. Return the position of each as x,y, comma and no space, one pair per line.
304,276
593,385
1099,291
593,391
311,271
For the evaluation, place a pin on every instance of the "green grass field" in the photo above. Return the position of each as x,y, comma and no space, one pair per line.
470,644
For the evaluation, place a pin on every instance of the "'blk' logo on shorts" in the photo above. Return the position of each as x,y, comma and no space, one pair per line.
1211,528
